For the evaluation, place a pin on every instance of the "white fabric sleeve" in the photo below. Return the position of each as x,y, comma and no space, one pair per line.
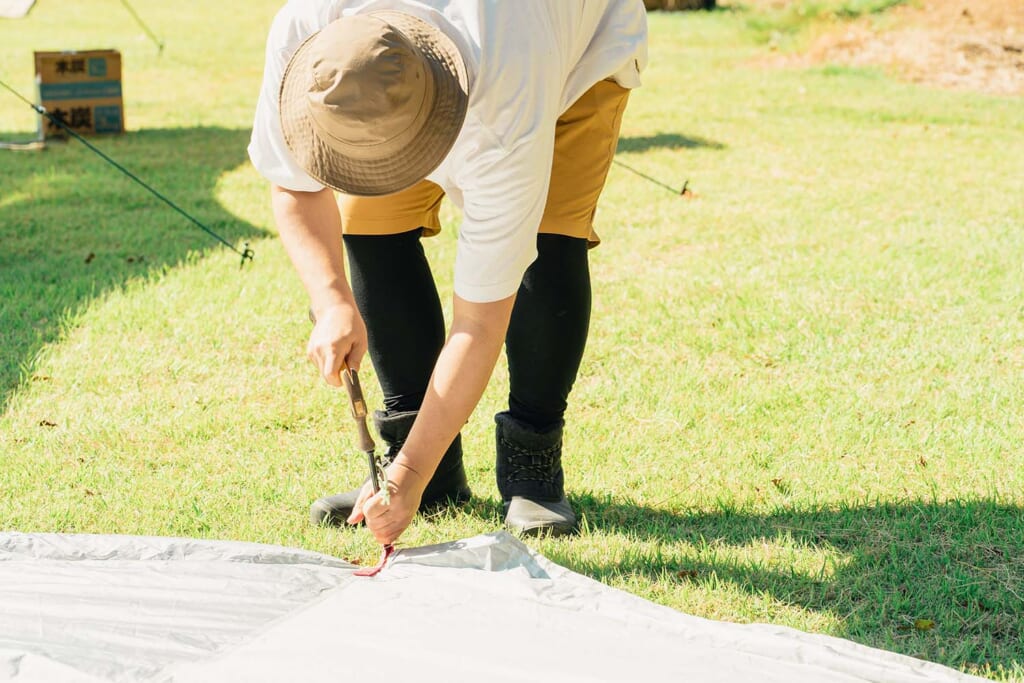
267,149
504,194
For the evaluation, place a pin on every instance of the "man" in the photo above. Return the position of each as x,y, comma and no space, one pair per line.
510,108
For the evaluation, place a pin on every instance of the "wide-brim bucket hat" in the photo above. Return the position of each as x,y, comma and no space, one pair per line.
372,103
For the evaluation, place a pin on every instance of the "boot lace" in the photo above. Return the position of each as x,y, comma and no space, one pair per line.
530,465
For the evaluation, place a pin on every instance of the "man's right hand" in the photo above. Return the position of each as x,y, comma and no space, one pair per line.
310,229
338,338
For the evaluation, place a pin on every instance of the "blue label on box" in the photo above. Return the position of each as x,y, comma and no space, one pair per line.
97,67
85,90
107,119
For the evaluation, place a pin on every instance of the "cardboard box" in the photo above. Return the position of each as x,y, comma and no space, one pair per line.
83,89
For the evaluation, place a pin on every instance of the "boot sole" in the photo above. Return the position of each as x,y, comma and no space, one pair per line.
542,531
527,517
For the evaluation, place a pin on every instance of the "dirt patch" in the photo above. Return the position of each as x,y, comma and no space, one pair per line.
965,44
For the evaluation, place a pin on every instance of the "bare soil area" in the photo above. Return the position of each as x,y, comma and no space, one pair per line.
966,44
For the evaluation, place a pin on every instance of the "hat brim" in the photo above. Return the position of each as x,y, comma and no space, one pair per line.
400,169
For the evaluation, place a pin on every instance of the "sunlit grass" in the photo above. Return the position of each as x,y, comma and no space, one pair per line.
801,399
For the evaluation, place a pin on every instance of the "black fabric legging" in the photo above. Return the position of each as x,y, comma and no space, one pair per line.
398,300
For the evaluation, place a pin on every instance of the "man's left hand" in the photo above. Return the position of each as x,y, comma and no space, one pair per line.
387,521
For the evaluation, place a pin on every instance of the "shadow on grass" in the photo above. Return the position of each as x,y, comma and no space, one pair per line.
74,228
665,141
958,565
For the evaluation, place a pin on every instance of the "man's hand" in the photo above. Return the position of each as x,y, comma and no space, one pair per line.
387,522
338,338
310,230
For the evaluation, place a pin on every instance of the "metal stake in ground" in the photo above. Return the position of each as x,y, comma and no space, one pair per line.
246,253
681,193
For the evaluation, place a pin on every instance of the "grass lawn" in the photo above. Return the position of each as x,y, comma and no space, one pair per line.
801,402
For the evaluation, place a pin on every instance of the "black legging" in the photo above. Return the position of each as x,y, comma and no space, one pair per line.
398,300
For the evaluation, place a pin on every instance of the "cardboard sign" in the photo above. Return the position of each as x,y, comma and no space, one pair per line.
83,89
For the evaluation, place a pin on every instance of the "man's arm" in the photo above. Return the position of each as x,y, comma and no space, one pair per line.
460,376
459,379
310,229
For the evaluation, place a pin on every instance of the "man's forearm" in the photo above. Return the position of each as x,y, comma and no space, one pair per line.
460,376
310,229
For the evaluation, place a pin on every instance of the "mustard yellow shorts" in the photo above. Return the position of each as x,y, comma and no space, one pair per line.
585,140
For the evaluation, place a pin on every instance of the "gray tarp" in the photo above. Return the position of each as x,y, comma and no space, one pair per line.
122,608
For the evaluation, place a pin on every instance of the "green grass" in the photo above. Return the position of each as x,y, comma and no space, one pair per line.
801,399
790,24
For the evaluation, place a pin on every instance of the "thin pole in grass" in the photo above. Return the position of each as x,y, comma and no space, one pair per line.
246,252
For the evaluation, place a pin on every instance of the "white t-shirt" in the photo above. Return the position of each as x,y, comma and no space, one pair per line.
528,61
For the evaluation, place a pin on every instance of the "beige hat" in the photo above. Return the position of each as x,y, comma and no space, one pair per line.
371,104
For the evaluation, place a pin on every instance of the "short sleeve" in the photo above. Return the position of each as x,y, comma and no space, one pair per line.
267,149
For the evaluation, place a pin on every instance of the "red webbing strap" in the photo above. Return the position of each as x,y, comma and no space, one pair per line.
373,571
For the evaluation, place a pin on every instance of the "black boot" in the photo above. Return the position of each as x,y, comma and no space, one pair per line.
447,485
530,478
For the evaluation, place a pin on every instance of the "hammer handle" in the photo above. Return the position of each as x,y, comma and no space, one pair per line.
350,378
